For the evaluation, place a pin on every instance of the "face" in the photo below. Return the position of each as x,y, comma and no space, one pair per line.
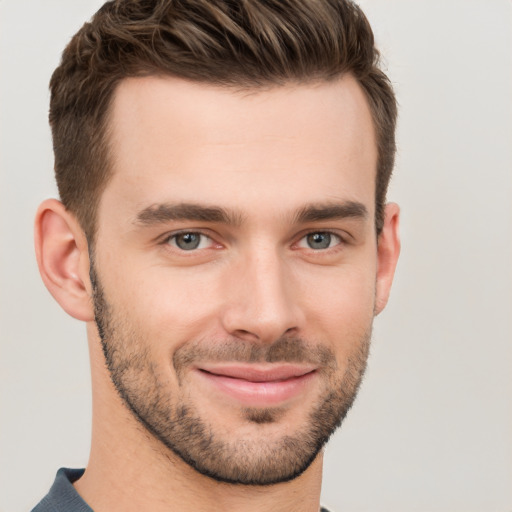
235,266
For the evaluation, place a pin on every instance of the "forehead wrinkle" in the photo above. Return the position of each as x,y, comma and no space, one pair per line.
166,212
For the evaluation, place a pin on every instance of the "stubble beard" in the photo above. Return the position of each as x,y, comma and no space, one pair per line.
178,424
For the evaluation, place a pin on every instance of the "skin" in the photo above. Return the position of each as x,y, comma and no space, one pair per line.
263,157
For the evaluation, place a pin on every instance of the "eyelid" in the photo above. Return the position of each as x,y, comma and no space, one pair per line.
166,239
342,239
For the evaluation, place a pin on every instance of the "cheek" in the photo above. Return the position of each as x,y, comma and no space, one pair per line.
340,308
167,304
172,306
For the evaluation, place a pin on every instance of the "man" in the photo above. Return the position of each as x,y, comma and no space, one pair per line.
223,232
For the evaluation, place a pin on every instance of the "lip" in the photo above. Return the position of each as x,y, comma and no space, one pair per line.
258,385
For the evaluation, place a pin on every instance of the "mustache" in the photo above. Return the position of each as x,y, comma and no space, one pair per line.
283,350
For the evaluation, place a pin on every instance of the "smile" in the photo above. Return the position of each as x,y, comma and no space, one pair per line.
258,386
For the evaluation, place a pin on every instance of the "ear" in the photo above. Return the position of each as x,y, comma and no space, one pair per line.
388,250
63,259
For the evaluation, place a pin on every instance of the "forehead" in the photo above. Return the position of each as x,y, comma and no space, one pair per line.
172,140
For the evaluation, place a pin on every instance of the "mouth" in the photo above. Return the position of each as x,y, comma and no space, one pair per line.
258,385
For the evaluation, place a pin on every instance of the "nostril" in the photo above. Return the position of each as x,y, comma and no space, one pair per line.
245,335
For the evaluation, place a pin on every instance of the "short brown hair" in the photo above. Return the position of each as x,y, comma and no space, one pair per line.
234,43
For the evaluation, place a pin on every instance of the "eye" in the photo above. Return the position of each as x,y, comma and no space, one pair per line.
189,241
319,240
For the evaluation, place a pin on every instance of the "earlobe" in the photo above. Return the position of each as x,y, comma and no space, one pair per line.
63,259
388,250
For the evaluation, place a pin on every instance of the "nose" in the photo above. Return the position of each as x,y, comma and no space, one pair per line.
261,303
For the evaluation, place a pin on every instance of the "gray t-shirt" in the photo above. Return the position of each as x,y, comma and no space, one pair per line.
63,496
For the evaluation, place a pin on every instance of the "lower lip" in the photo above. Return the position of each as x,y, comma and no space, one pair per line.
259,394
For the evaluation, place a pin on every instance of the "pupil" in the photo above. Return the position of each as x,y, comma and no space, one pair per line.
319,240
187,241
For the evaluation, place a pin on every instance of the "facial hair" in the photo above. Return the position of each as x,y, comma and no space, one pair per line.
177,422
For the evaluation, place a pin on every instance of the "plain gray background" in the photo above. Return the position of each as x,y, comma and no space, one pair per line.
432,428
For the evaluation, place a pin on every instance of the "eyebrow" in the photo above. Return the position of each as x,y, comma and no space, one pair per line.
166,212
319,212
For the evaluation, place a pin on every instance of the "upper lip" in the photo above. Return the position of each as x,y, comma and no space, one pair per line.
258,373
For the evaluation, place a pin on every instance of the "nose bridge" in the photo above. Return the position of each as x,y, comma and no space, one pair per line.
261,304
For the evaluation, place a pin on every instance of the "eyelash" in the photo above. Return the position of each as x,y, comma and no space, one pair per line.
173,236
330,234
